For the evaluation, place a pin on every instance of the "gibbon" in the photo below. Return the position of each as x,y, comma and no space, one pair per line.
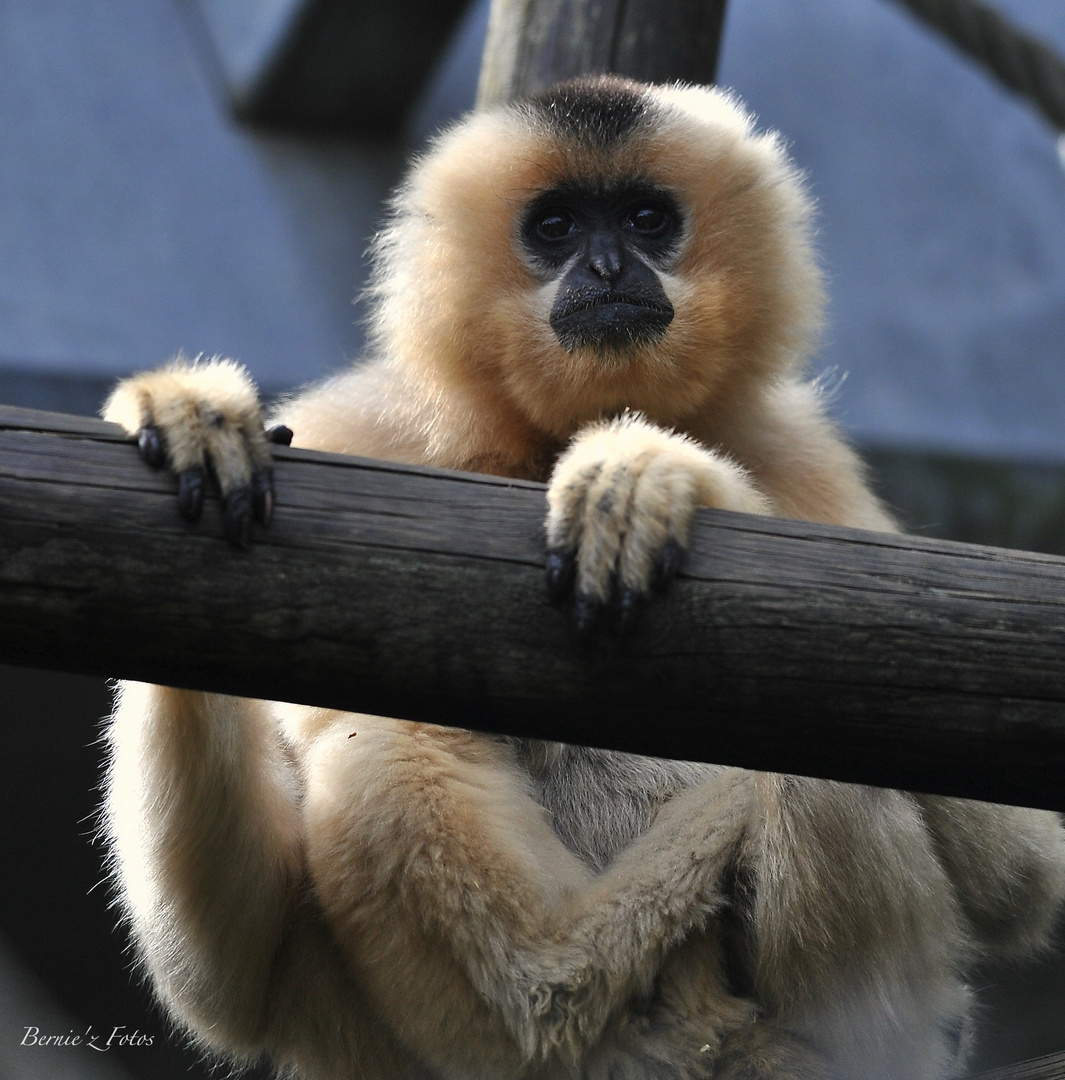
609,287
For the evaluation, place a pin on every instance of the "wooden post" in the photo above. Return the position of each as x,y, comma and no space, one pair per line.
533,43
418,593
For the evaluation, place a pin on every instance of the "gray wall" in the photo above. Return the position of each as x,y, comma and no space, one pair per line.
137,219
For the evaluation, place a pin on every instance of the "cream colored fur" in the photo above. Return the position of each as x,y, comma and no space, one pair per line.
209,412
417,902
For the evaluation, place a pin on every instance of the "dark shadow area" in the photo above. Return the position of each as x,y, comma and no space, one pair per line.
54,907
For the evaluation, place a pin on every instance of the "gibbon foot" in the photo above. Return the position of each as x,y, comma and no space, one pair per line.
662,1046
202,419
656,1058
762,1052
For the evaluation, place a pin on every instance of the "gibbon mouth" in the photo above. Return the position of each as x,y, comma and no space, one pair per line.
620,300
610,321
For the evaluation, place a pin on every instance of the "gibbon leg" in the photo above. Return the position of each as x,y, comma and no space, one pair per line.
1007,866
460,910
694,1027
848,908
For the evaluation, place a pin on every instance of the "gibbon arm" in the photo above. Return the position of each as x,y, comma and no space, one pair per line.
793,453
201,814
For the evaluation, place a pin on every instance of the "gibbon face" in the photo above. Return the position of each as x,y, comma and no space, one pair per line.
604,249
602,246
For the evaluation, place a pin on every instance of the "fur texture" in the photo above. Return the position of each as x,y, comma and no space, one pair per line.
425,903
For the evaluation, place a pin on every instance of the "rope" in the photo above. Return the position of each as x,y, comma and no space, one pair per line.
1019,60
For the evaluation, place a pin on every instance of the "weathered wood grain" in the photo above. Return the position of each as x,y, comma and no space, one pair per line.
534,44
1050,1067
417,593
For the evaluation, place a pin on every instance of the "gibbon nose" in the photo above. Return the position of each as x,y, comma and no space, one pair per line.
605,259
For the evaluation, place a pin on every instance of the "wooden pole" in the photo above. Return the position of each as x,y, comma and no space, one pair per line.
412,592
534,43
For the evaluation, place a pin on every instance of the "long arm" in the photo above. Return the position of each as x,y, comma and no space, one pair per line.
201,812
202,817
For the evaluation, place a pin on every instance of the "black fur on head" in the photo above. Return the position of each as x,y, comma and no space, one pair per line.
598,111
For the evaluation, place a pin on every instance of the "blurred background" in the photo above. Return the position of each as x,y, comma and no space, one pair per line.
204,176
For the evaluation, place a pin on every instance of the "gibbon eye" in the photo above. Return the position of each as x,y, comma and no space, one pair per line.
649,219
555,225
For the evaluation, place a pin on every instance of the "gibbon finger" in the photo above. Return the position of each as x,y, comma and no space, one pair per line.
605,522
561,572
586,615
262,495
150,445
279,435
228,454
190,492
567,497
628,606
237,515
668,563
661,510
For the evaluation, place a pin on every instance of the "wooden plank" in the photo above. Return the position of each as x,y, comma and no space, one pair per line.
1051,1067
418,593
17,418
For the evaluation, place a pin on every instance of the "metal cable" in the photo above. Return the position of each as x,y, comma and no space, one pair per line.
1019,60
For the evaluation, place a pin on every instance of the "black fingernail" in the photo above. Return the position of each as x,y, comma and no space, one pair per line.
668,563
237,518
561,570
150,445
586,611
262,496
628,607
190,493
279,435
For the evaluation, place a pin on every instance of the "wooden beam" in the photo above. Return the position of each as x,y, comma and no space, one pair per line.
534,43
417,593
1051,1067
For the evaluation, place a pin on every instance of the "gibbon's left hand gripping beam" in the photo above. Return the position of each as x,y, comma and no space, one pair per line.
418,593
